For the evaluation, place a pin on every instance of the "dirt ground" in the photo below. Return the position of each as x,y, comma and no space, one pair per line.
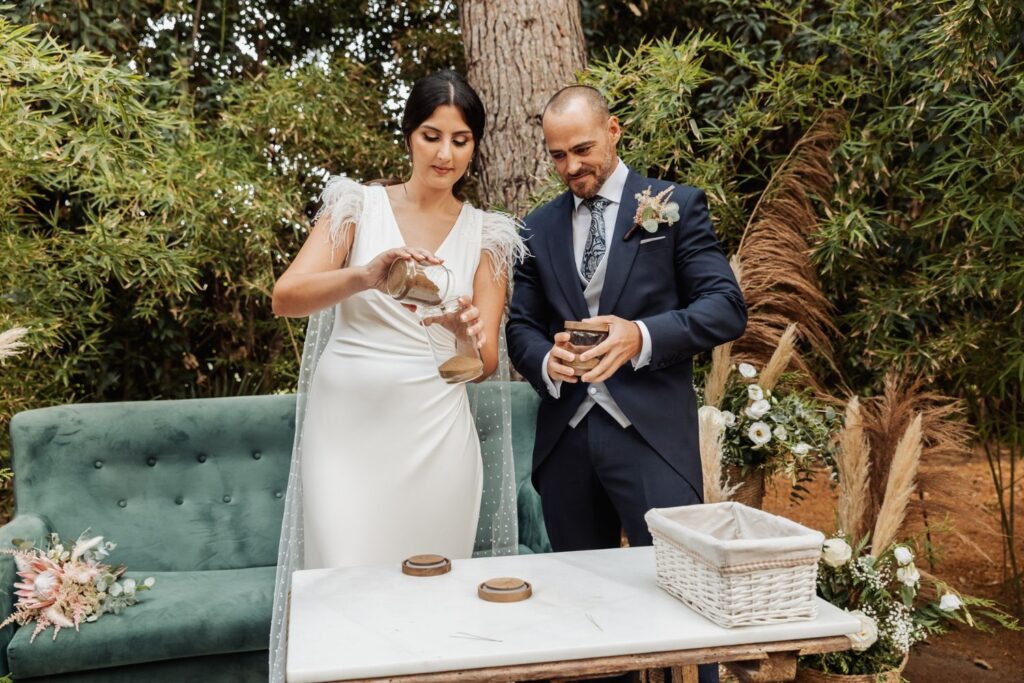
963,656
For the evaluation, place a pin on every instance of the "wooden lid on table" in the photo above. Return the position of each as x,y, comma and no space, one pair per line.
504,589
585,327
426,565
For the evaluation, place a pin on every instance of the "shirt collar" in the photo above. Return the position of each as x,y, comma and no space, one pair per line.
613,186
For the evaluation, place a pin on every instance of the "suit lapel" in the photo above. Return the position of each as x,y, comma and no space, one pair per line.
563,257
621,254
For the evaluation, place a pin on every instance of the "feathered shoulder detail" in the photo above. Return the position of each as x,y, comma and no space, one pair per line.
342,201
501,237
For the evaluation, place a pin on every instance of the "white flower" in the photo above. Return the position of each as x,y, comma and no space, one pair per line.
801,448
909,575
950,602
129,587
747,370
759,433
836,552
45,584
780,433
758,409
728,418
903,555
149,582
754,392
868,633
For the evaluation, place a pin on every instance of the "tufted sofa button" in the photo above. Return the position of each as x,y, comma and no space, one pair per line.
151,462
98,464
256,455
227,499
122,503
201,457
179,500
278,494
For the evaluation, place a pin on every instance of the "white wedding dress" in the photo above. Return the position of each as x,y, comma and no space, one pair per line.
387,458
391,457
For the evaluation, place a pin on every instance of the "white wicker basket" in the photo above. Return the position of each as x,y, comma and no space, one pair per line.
735,565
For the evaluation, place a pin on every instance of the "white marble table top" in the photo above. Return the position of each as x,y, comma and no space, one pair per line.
366,622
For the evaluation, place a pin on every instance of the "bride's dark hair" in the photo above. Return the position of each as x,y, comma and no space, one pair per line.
445,87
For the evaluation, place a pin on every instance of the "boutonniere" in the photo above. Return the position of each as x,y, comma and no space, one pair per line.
653,211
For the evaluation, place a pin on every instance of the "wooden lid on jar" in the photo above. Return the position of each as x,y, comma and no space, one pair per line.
574,325
504,589
426,565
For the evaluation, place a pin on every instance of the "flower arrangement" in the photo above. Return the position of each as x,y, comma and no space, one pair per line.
63,587
765,424
865,570
653,211
896,609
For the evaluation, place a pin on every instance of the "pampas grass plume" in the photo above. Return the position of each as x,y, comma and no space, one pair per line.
898,488
11,343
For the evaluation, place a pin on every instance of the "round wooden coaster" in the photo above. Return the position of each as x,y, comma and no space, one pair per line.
504,589
426,565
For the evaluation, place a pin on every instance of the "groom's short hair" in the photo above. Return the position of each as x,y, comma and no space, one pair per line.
591,97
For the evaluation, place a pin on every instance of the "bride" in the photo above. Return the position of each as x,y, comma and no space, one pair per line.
387,461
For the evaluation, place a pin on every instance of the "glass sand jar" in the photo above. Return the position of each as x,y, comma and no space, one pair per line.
454,347
583,337
418,284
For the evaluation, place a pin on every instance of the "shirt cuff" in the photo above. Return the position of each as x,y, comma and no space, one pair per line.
554,388
644,357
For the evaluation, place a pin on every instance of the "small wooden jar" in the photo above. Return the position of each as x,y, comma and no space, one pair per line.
583,337
426,565
504,589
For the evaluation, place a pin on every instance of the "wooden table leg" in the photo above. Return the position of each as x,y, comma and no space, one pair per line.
684,674
777,666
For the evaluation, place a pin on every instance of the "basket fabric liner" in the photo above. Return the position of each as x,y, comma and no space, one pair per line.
730,535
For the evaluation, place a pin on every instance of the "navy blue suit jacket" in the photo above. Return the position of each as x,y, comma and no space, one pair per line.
682,289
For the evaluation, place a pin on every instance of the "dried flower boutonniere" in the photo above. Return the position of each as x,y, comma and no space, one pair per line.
653,211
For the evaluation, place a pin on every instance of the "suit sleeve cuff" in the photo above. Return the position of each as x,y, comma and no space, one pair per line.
554,388
643,358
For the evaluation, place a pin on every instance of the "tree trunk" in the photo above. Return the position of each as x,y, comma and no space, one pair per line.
518,54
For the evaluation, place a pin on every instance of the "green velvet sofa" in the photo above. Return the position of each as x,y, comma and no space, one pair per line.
192,492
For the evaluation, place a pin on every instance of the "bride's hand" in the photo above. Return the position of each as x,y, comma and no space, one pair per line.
462,323
376,271
474,325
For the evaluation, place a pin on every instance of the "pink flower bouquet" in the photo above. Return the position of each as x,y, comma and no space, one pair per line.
62,588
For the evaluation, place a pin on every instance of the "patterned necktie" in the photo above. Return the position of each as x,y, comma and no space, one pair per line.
594,251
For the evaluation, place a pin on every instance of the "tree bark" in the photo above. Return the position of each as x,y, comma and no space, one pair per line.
518,54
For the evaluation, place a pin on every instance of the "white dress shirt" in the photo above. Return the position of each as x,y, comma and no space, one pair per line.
597,393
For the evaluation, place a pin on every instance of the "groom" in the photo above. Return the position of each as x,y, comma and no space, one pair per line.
624,439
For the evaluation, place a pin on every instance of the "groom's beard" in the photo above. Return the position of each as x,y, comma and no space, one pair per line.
586,183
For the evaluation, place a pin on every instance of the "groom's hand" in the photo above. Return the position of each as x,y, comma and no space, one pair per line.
560,352
624,341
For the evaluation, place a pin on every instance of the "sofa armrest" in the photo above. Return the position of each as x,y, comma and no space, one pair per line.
29,527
